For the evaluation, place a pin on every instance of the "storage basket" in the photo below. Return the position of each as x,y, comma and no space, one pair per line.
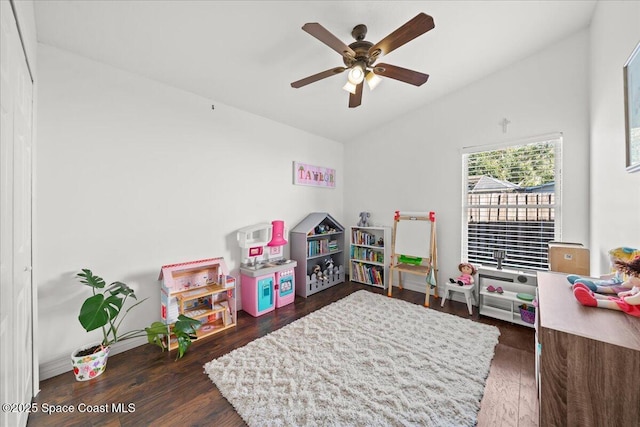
528,314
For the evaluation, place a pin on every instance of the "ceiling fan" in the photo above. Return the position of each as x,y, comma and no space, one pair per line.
360,56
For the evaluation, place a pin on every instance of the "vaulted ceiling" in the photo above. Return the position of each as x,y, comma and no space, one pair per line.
245,54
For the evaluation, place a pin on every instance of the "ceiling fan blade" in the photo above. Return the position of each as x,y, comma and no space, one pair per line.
356,99
398,73
420,24
316,77
322,34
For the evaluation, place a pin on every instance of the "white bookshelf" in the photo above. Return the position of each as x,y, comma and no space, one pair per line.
505,306
370,255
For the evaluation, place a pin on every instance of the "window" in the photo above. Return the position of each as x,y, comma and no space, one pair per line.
511,202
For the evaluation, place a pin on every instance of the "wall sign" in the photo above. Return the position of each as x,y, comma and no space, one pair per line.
316,176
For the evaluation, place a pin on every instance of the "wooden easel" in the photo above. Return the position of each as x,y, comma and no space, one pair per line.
411,264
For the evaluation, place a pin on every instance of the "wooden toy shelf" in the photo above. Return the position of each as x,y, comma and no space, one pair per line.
200,310
202,290
206,305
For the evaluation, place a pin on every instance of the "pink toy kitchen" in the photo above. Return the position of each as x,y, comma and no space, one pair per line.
267,279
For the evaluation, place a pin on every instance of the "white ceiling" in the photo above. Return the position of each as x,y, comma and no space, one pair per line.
246,53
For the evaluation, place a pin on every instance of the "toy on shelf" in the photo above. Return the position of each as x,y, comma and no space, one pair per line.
499,255
318,272
364,219
466,278
328,266
527,313
627,301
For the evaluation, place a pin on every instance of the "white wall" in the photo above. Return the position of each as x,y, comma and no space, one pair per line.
415,163
615,194
133,174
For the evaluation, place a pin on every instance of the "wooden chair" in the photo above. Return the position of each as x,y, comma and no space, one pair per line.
410,263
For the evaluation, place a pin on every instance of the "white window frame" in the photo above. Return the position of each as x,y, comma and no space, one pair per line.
557,138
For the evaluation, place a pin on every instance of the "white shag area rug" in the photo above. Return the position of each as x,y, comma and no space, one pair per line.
365,360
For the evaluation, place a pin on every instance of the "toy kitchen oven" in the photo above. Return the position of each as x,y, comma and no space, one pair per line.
266,279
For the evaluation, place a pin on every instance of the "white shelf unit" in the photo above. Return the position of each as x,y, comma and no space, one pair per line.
315,241
505,306
370,256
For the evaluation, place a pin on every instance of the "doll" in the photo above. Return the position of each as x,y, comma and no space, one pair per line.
618,281
627,301
466,278
602,286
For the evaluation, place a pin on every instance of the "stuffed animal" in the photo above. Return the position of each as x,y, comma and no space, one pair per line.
364,219
328,266
466,278
627,301
318,272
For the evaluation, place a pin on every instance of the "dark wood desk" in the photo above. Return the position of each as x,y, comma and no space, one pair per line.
589,360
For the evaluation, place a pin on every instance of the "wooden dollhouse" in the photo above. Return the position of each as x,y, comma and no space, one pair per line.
202,290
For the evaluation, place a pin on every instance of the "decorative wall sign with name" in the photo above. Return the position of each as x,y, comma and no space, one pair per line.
317,176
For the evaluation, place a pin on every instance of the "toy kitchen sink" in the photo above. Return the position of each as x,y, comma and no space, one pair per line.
266,278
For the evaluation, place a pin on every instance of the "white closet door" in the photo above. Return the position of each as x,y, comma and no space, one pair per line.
16,299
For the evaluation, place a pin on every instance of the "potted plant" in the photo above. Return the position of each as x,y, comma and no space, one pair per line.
106,309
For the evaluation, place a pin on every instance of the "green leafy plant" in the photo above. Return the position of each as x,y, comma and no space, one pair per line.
107,308
184,330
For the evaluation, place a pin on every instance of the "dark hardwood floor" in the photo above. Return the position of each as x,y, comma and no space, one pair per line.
162,391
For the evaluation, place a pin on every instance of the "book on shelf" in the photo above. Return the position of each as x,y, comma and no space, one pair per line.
360,237
367,254
369,274
317,247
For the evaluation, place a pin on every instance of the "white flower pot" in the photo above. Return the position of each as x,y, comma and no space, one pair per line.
89,367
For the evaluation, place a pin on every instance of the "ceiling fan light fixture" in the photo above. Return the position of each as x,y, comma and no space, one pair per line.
360,56
349,87
372,80
356,74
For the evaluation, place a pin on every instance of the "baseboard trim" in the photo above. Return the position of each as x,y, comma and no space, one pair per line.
414,285
422,288
62,365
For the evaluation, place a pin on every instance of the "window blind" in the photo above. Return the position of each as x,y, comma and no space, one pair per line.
511,201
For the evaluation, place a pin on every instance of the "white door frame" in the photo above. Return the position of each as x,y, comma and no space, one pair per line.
18,353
